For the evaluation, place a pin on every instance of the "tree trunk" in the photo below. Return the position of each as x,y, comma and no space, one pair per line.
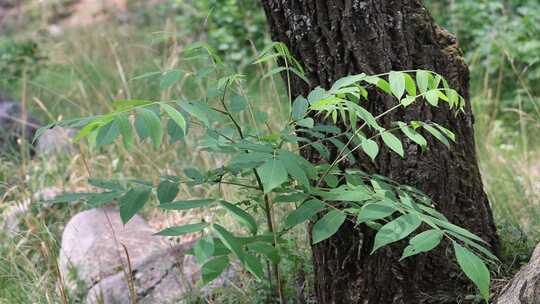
335,38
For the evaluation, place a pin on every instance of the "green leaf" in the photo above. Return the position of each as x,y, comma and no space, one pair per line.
291,198
185,205
106,184
432,97
306,122
397,83
342,147
436,134
303,213
107,134
321,149
294,169
169,78
194,174
100,199
435,82
167,191
423,80
474,268
299,108
347,81
407,101
192,108
229,241
124,125
242,216
212,269
238,104
453,97
69,197
380,83
457,229
392,142
204,249
265,249
345,194
253,265
152,123
220,248
442,95
375,211
412,134
366,116
273,174
249,160
475,245
132,202
140,127
175,132
181,230
423,242
87,129
331,180
410,86
446,132
371,148
327,226
176,116
396,230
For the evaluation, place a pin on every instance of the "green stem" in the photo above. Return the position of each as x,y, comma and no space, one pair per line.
267,202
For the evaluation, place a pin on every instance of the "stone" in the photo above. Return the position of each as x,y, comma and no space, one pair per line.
14,213
14,127
525,286
155,272
11,217
166,277
56,140
94,245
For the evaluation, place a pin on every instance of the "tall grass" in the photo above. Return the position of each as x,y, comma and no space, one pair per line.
509,158
87,69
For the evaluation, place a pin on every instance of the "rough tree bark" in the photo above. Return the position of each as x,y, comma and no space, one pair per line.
335,38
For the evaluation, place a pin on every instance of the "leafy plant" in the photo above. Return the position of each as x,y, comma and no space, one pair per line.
17,58
264,163
232,27
500,38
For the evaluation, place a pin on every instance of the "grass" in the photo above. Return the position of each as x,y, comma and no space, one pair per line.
85,71
88,67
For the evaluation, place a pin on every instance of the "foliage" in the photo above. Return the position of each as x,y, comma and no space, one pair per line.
28,14
502,43
17,58
264,164
233,27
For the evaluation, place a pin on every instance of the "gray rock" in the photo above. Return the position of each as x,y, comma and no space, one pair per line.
157,273
56,140
93,246
166,277
525,286
11,217
14,126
